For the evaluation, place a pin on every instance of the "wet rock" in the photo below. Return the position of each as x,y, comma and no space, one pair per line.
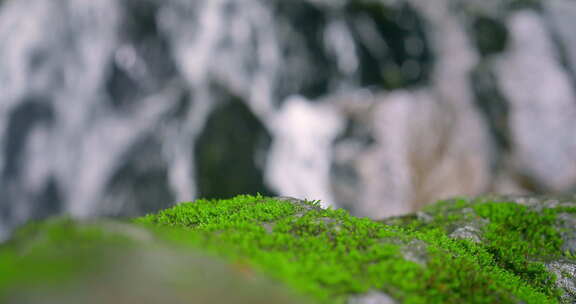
373,297
566,224
415,251
298,202
468,233
565,272
424,217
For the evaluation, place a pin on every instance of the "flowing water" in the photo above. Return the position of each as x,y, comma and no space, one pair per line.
122,107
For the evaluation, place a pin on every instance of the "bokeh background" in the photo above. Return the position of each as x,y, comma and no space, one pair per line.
123,107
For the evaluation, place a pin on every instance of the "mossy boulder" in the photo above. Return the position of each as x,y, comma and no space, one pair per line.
254,249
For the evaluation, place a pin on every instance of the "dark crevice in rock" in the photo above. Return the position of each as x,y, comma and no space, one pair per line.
32,112
563,52
303,26
495,111
225,152
490,35
140,185
49,201
143,63
492,105
182,107
346,181
404,59
513,5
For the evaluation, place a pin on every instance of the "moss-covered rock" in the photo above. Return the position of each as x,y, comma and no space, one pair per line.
258,249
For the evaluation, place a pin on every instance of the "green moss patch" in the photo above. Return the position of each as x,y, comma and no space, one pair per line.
62,261
514,237
328,255
35,255
331,255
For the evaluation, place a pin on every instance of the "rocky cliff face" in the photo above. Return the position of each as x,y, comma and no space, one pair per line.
124,107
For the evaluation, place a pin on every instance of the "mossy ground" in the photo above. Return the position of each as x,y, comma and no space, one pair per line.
31,258
329,255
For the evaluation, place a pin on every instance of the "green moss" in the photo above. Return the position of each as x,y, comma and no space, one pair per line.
329,255
564,209
469,273
55,252
322,253
515,238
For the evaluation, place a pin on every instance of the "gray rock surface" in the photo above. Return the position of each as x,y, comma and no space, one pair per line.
373,297
565,272
467,232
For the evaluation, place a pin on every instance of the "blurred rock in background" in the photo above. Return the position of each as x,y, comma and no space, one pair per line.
122,107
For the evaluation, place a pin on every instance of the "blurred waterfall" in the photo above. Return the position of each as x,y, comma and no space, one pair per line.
122,107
